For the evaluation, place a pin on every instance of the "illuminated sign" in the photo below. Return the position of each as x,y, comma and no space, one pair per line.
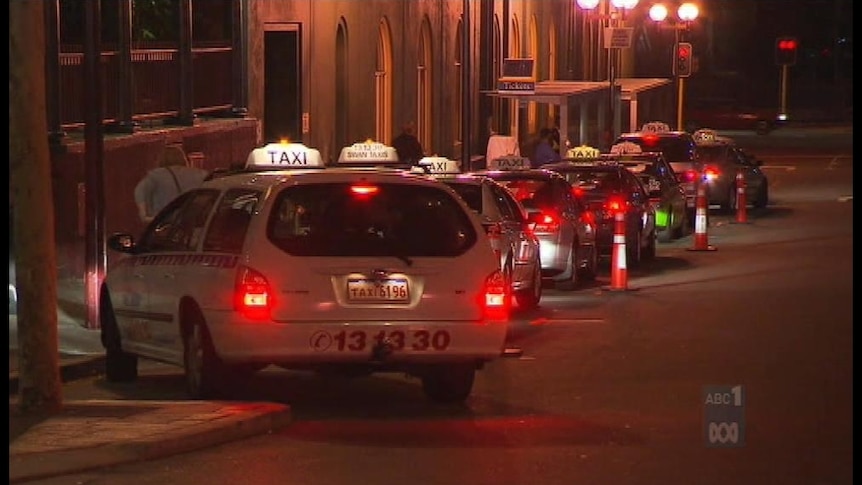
279,156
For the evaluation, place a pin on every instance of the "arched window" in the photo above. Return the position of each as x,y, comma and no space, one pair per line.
383,84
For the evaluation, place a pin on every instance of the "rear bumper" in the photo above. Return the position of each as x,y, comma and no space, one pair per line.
358,342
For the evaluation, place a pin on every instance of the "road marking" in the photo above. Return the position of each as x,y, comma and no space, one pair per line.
789,168
845,198
832,164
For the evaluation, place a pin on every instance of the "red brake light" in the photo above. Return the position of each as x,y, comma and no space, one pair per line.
496,299
615,204
577,192
364,190
650,140
545,222
710,173
252,295
690,175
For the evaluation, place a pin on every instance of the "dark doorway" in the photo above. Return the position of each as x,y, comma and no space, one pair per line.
282,70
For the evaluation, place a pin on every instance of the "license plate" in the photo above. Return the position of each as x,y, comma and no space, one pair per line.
397,340
394,290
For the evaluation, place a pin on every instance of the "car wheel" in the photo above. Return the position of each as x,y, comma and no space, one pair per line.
729,205
762,199
667,235
120,366
592,269
682,226
529,298
203,368
572,282
634,251
650,250
451,383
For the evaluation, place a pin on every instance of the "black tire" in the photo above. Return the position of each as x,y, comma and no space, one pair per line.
634,252
762,199
120,366
592,270
448,384
650,251
683,228
572,282
729,205
529,298
206,376
667,235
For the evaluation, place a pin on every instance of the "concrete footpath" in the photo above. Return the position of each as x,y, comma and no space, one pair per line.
90,434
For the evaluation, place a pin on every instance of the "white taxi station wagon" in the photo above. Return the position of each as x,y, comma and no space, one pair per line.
357,268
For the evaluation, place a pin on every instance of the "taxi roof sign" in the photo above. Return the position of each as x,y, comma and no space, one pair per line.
583,151
509,163
626,147
368,151
280,156
440,165
655,127
705,135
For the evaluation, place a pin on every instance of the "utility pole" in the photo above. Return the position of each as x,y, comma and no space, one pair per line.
31,198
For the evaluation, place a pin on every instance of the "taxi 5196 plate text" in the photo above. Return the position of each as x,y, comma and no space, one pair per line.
392,290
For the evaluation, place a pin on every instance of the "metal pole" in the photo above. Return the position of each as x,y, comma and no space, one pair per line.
466,98
94,207
681,101
783,91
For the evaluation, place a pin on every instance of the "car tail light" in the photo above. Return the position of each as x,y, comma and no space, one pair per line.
252,294
545,222
364,190
615,204
496,297
689,176
710,174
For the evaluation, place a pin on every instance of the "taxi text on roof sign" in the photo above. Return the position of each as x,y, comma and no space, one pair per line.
704,135
655,127
582,151
625,147
279,156
368,151
440,165
509,163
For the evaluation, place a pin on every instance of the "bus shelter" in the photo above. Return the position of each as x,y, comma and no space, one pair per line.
588,97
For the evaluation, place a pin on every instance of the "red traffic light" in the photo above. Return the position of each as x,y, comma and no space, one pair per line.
787,44
684,50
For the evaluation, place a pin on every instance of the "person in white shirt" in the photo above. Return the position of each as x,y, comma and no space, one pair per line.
161,185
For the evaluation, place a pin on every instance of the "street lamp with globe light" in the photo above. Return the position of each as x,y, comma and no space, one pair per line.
686,14
614,19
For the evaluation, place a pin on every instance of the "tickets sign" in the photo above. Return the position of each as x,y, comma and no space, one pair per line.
279,156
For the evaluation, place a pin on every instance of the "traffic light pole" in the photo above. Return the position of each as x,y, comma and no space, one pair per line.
782,95
680,82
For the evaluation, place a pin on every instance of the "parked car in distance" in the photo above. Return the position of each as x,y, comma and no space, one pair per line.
723,160
729,114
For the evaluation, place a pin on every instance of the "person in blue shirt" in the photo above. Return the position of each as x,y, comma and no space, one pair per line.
545,152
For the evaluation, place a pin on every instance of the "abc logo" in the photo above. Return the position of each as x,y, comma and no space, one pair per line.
723,433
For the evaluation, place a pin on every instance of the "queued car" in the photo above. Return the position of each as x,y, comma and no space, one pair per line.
608,187
678,148
565,227
351,269
503,218
722,162
664,189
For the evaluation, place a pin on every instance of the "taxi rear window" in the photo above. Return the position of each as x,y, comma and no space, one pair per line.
595,180
674,148
471,193
531,193
349,219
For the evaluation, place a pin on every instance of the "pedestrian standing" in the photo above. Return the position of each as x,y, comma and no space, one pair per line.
545,152
161,185
408,146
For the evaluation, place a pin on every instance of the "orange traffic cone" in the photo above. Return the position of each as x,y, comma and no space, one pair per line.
619,274
701,240
741,209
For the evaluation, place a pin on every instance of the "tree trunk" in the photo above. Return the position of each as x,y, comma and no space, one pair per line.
31,197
